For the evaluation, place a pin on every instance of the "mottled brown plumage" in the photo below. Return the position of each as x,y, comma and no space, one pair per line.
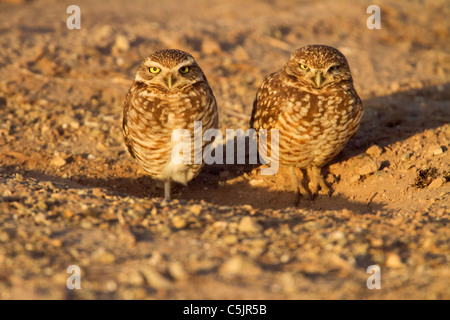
313,104
169,92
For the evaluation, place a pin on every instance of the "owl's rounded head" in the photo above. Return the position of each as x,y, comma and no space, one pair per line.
169,70
317,67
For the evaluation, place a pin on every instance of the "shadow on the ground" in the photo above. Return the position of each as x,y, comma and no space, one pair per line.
209,188
396,117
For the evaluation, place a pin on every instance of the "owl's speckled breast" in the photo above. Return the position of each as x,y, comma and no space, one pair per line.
315,128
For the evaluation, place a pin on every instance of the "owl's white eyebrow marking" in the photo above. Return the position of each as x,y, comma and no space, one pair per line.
149,63
186,63
138,78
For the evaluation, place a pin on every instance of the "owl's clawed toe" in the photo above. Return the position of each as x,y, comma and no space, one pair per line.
326,189
317,182
300,190
305,194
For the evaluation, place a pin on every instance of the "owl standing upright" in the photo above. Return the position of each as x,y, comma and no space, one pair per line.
312,102
169,92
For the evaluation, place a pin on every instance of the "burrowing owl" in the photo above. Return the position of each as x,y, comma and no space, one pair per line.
312,102
169,92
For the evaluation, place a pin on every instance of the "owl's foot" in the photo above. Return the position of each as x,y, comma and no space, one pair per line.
300,190
317,180
167,190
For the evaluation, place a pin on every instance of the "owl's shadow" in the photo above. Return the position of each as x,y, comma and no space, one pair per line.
238,182
398,116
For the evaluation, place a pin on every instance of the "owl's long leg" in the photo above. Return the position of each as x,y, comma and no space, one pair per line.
317,180
167,190
300,189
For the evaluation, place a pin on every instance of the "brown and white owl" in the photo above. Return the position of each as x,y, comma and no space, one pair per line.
312,102
169,92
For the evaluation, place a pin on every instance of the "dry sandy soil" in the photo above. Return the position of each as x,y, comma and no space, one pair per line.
71,195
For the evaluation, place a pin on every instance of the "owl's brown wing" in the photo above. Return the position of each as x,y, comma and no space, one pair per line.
128,141
357,113
266,108
208,106
252,118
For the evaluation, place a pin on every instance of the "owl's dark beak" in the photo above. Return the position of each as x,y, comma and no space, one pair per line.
318,79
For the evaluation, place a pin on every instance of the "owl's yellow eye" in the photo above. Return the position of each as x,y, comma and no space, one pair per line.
184,70
303,67
154,70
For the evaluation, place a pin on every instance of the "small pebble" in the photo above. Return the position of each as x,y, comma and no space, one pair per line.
238,266
177,271
196,209
230,239
438,151
406,156
249,225
374,151
369,167
256,182
395,86
58,161
393,261
437,183
121,43
155,279
179,222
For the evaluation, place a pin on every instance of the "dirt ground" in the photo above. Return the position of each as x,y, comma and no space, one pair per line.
71,195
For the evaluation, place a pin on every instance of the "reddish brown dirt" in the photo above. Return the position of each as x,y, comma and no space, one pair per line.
71,195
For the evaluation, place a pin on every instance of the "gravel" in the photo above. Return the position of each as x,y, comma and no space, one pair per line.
71,195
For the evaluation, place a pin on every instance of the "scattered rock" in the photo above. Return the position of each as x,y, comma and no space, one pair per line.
437,151
374,151
337,235
238,266
196,209
256,182
177,271
103,36
393,260
179,222
104,257
58,161
249,225
240,54
406,156
395,86
230,239
437,183
155,279
369,167
121,43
